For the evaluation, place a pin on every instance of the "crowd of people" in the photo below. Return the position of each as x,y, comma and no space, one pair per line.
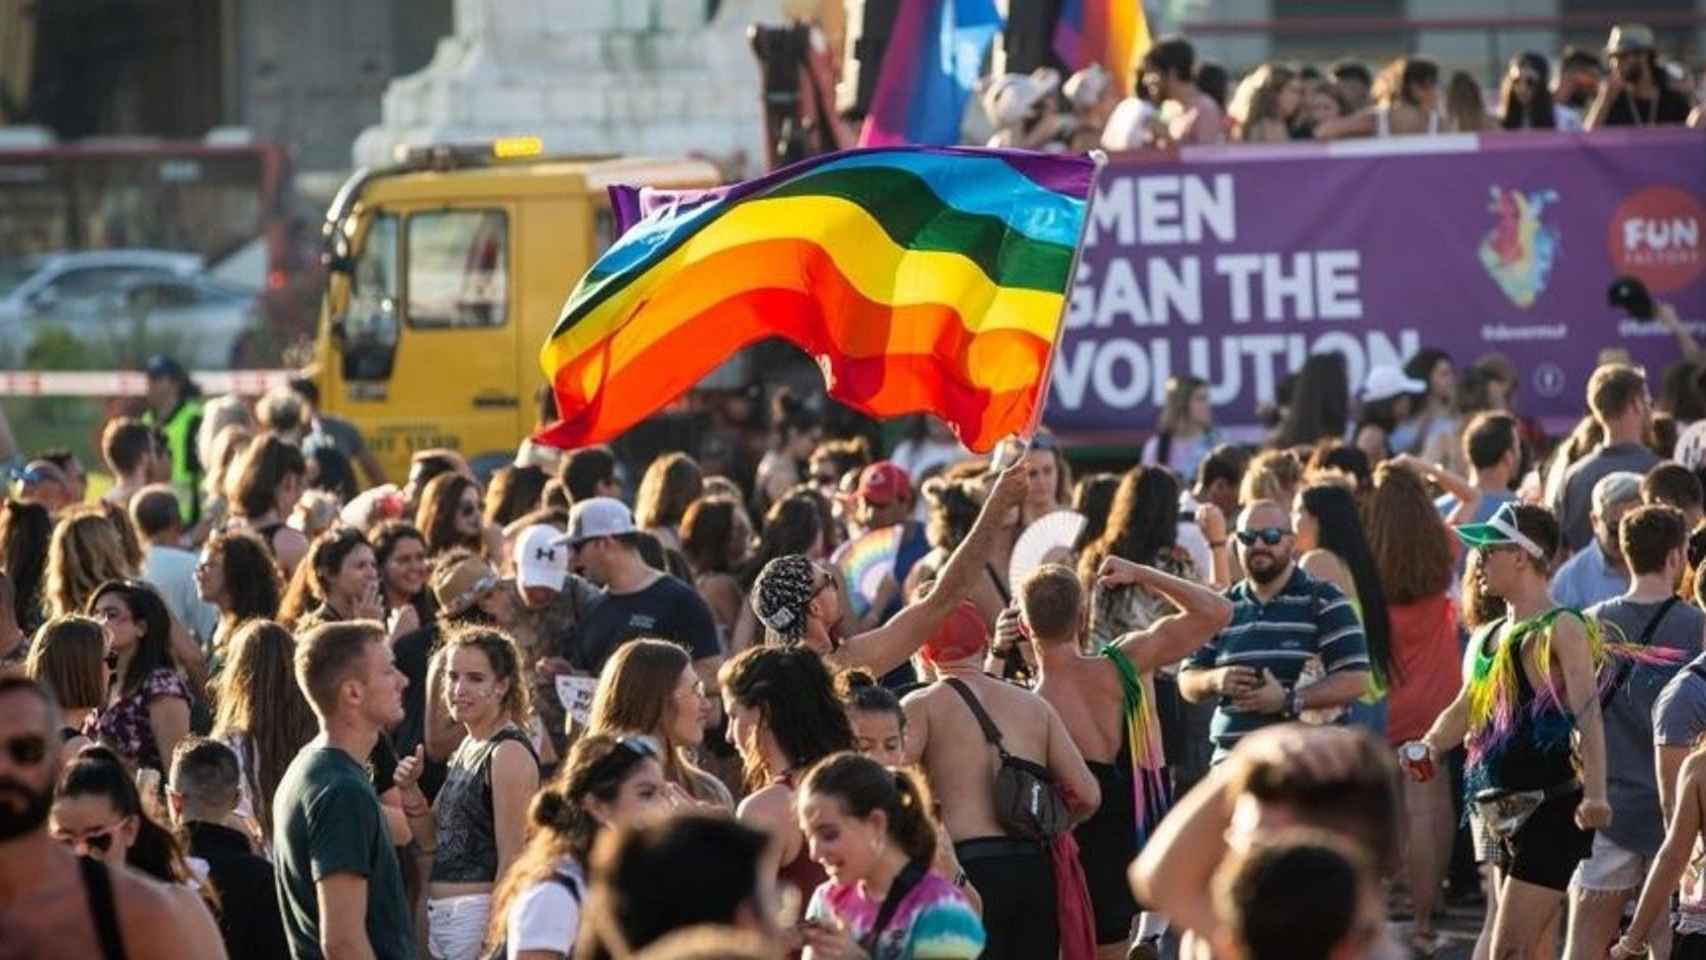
261,702
1249,701
1181,99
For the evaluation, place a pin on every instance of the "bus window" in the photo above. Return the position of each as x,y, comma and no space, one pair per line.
370,321
458,269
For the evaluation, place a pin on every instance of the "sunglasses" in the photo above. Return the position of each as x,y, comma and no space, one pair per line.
468,509
26,751
98,840
824,480
1268,535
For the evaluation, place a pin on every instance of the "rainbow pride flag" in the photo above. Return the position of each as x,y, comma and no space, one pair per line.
922,279
1113,33
929,69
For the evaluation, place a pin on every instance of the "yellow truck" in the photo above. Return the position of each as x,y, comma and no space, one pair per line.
445,274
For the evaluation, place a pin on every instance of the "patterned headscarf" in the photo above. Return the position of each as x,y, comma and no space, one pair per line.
781,593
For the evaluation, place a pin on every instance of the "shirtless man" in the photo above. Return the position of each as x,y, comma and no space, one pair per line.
54,904
1015,877
796,601
1089,694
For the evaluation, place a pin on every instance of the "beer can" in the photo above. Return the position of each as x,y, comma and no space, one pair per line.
1418,759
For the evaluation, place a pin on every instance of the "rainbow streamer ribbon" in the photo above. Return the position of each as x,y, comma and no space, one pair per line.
1494,687
1151,794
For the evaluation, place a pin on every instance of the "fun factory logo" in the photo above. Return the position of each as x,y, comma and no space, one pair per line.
1520,250
1655,235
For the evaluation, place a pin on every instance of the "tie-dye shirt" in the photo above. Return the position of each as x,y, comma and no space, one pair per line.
933,922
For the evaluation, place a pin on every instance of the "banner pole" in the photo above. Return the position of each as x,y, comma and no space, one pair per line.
1100,159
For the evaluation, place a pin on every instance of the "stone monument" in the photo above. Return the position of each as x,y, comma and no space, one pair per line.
657,77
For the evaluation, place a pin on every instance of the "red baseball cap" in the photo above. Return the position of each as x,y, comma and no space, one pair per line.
884,482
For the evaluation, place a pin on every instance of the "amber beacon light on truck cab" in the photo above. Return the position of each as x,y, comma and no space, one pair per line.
444,275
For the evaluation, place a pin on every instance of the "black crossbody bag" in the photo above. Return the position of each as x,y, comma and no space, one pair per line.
1026,803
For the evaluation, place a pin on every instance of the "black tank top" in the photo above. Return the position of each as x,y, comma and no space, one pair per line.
1537,754
98,884
467,831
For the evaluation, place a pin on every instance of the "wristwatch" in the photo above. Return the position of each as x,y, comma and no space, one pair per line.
1291,709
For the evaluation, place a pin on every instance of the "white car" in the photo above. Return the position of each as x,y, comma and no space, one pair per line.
117,303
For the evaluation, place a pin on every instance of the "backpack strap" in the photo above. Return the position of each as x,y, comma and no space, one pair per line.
1627,666
991,732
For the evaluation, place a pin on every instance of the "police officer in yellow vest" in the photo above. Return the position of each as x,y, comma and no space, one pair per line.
174,406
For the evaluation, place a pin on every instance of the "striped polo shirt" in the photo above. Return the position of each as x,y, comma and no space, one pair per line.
1308,618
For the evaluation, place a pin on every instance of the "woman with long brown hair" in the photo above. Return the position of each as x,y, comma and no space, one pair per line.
85,552
338,580
26,529
236,573
450,516
649,688
1143,527
148,704
263,487
669,486
262,715
477,824
607,781
68,657
1265,104
784,716
1414,560
716,538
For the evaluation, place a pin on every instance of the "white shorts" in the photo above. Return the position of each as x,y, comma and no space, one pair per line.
1610,869
456,926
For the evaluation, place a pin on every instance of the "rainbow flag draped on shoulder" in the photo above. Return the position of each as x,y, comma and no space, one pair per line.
922,279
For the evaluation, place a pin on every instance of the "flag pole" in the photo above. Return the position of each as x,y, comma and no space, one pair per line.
1100,159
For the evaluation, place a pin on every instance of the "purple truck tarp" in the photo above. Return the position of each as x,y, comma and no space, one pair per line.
1234,263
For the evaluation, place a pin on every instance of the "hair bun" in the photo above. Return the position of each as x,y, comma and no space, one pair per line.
854,679
550,808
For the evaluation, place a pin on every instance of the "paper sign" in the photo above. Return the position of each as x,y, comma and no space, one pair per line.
576,696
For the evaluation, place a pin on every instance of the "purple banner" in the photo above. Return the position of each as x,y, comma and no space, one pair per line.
1235,263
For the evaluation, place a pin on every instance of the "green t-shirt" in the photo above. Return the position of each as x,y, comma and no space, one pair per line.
326,820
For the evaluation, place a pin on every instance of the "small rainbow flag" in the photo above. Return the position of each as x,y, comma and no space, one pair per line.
1113,33
922,279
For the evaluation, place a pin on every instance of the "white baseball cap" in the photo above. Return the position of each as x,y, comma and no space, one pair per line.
1385,382
597,517
541,558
